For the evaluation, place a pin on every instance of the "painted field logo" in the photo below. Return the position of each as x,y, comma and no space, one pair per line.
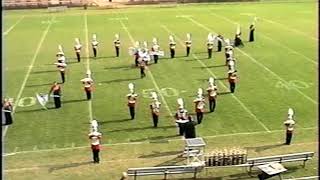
293,84
167,92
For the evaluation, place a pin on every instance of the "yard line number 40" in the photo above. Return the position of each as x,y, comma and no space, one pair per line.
293,84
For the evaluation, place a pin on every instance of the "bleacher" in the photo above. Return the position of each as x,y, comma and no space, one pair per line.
19,4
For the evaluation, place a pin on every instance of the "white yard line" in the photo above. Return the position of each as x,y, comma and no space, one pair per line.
146,142
152,77
289,28
10,29
210,72
44,35
267,37
88,59
256,62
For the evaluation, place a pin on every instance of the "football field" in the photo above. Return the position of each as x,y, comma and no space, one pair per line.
277,71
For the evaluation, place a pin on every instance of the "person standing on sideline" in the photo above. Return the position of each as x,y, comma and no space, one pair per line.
136,53
190,128
88,82
77,48
172,46
56,90
132,98
7,109
252,28
155,109
289,123
94,44
212,94
188,44
210,45
232,78
199,105
95,138
117,44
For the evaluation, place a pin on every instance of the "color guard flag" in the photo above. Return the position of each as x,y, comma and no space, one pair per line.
42,99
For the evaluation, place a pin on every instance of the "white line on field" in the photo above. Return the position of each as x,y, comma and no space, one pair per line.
300,178
256,62
10,29
28,72
170,140
267,37
210,72
88,60
289,28
152,78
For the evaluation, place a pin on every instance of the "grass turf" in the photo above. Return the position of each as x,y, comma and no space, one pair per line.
276,72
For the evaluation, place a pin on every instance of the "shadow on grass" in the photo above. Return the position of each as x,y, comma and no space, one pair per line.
115,121
155,139
223,78
224,93
142,128
160,154
265,147
65,166
36,85
173,161
102,57
47,71
120,67
119,80
221,65
73,101
35,110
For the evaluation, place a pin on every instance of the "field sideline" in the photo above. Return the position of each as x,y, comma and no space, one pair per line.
276,72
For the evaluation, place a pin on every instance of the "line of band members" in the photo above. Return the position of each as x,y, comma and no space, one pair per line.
142,55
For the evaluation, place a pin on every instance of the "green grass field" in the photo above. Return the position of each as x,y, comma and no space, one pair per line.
277,71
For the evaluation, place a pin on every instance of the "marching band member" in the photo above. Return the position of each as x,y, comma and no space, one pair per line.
117,44
252,28
132,98
219,42
94,44
95,138
88,82
232,78
289,123
155,109
231,63
77,48
212,94
144,58
188,43
136,53
237,39
7,109
155,50
145,53
210,45
199,105
61,57
181,117
62,66
56,89
172,45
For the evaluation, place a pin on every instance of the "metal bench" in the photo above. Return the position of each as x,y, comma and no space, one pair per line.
164,170
304,156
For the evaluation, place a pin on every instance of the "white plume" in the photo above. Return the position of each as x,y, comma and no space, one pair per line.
131,87
145,44
137,44
154,40
154,95
188,37
77,41
238,29
60,48
211,80
171,38
180,102
117,36
94,37
290,112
